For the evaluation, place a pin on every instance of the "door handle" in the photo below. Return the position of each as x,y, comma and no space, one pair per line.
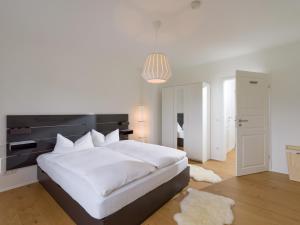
243,121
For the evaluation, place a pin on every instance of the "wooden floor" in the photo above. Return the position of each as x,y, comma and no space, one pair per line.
261,199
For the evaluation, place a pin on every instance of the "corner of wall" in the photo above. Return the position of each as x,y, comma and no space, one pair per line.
17,178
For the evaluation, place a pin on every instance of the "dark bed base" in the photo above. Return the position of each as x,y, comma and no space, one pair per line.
133,214
180,142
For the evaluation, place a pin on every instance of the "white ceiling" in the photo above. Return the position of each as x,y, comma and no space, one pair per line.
123,29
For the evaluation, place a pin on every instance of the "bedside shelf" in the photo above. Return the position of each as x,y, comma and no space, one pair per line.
126,132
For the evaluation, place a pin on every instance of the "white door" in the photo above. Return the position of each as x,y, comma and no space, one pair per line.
252,105
193,121
169,130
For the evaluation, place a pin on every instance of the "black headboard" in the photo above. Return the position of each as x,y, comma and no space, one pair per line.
28,136
180,119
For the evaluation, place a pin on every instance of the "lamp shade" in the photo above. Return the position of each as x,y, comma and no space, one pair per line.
157,68
140,113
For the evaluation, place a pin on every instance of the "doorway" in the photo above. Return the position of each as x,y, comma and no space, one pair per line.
229,115
229,128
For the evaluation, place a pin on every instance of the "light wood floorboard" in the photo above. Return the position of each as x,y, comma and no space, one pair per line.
261,199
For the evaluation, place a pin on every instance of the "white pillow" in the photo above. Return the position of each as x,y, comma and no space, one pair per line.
98,138
112,137
64,145
179,128
85,142
101,140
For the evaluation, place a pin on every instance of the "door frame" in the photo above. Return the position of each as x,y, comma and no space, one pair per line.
268,113
209,118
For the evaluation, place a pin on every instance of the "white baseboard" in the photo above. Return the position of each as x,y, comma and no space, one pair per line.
217,156
279,171
18,178
17,185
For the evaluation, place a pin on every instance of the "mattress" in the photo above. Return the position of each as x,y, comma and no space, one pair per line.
99,206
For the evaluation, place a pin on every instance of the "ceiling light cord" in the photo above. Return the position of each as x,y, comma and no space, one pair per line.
156,25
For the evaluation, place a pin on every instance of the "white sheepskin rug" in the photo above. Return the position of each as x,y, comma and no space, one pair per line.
201,174
203,208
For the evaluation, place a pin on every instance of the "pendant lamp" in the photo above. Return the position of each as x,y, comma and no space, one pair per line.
157,69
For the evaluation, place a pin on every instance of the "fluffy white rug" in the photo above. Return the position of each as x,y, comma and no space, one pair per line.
201,174
203,208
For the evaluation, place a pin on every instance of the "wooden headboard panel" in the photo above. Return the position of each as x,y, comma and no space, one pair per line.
180,119
28,136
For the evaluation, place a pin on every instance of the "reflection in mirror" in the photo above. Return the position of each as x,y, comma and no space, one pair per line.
180,119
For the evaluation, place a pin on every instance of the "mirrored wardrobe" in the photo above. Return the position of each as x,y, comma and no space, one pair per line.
186,119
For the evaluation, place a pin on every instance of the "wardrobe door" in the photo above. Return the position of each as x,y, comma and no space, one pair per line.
193,121
168,117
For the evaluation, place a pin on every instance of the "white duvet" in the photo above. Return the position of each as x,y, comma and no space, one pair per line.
103,169
156,155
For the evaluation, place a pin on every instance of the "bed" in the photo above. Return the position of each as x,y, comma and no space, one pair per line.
130,204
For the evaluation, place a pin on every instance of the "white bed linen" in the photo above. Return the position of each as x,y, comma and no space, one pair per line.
180,132
99,206
103,169
157,155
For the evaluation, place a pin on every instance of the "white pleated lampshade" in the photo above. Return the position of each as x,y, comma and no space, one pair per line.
157,69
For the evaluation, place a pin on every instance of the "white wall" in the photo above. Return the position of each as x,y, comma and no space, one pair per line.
283,64
59,77
64,87
63,57
151,99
